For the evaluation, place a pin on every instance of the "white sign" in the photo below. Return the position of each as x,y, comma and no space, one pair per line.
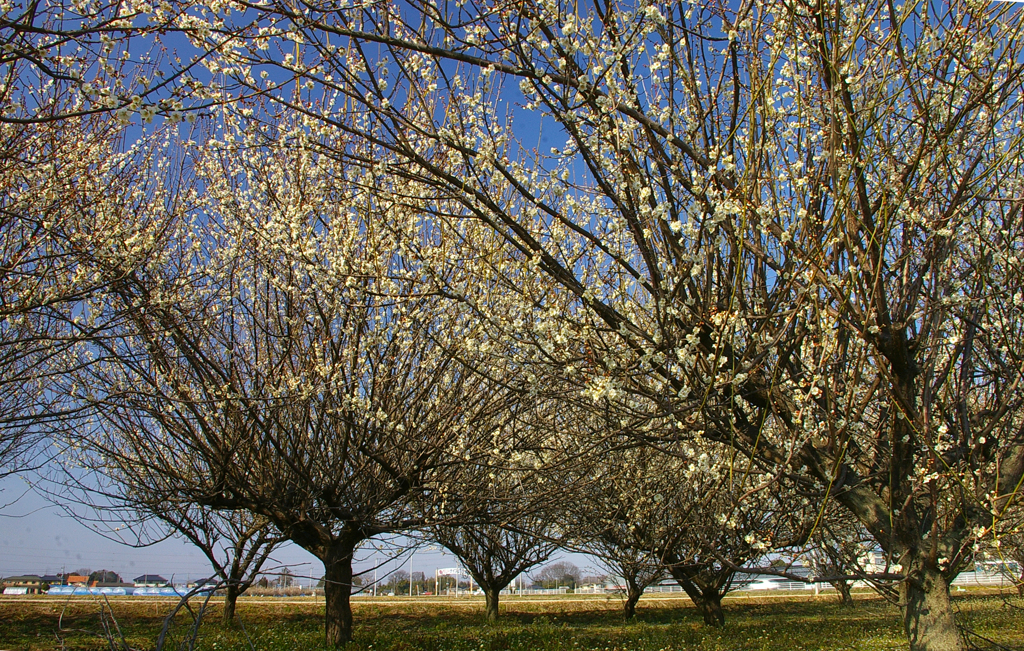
452,571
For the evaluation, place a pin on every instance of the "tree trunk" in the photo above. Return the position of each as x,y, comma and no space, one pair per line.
711,608
491,594
845,592
230,599
705,598
927,613
337,592
633,593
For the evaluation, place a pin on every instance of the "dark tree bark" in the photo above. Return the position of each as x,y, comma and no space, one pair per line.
230,600
633,592
236,580
491,594
928,617
338,592
710,606
845,592
706,597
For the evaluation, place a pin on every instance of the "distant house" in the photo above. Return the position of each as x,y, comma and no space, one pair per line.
104,578
151,581
76,579
25,584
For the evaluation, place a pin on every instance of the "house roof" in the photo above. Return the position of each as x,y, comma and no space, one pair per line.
150,578
23,578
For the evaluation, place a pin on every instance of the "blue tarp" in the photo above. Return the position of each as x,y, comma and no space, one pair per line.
78,590
160,592
138,592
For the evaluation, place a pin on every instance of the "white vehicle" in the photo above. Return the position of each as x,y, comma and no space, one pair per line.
766,583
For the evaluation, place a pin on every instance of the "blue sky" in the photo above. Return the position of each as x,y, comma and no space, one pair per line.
37,537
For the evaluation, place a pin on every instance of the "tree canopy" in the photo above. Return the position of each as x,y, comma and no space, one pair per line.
787,236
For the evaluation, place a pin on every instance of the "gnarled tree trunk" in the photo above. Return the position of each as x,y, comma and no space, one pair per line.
633,593
491,595
927,613
337,593
231,593
710,605
845,592
707,599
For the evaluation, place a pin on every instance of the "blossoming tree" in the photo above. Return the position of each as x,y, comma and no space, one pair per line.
281,356
800,221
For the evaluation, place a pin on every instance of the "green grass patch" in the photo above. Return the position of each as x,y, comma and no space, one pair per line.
526,625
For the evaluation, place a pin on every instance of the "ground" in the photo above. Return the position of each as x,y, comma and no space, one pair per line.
662,624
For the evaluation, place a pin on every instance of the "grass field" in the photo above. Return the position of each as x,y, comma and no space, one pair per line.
527,624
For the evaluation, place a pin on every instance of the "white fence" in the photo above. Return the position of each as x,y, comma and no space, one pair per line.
667,588
654,589
779,584
965,579
537,591
783,585
968,579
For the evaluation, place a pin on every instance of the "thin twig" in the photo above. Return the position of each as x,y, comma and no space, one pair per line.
117,627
